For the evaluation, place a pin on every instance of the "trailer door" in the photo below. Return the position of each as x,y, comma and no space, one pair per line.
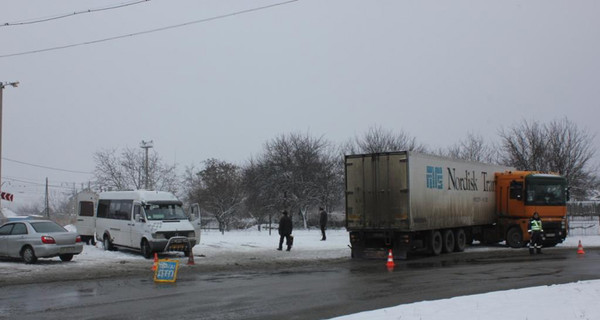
355,193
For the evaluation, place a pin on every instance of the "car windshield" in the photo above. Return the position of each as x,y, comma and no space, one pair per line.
47,226
164,211
546,192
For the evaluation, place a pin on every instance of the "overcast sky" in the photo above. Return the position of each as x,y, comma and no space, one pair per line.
220,89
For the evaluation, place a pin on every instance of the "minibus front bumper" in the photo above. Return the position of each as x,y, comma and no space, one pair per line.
178,243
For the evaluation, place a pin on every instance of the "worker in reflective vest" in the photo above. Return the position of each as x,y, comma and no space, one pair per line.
535,230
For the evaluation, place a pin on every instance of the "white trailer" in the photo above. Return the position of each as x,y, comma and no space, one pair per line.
407,201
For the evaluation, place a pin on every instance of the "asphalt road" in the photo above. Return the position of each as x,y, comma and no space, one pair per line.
307,290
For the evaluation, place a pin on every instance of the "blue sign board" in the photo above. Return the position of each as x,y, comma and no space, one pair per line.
166,271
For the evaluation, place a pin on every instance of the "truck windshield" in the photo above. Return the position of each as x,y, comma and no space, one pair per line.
546,191
164,211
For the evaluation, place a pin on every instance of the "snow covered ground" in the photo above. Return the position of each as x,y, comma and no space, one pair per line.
569,301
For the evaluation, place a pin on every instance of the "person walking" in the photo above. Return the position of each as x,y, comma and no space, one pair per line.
323,223
285,231
535,230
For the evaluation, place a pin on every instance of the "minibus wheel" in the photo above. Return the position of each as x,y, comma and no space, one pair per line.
146,250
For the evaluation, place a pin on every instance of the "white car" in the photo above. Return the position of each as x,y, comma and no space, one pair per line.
33,239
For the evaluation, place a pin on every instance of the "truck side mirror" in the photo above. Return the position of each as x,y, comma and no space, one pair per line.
568,193
516,190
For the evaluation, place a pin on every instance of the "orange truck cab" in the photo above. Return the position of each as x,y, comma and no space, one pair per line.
521,193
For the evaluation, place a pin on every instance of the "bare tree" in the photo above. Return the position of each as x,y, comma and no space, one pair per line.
262,200
217,189
126,171
296,172
473,148
524,146
377,139
559,146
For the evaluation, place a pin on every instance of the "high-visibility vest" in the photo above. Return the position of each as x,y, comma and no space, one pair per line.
536,225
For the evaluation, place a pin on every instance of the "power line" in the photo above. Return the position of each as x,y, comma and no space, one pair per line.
35,181
148,31
38,183
65,15
45,167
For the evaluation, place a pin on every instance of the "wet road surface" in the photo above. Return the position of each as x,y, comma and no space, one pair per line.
310,291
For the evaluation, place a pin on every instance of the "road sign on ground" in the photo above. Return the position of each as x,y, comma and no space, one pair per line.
166,270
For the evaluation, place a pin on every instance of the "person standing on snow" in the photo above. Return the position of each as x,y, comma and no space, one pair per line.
285,231
535,230
323,223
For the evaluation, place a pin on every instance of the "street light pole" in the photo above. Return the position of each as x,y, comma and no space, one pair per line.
2,86
146,145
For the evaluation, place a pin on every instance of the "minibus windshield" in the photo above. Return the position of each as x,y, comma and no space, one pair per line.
164,211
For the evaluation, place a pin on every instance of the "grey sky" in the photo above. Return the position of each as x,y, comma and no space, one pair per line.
436,69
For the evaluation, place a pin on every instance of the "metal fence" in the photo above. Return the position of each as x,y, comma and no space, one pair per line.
583,218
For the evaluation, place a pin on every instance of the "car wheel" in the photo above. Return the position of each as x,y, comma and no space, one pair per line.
28,255
146,250
66,257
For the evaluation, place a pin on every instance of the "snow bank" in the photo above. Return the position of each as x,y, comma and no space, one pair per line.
566,301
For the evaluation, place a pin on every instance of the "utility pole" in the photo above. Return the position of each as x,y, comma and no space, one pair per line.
2,86
146,145
47,201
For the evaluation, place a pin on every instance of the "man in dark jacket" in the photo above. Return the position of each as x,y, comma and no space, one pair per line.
285,231
535,230
323,223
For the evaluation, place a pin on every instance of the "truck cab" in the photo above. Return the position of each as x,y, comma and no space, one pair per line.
521,193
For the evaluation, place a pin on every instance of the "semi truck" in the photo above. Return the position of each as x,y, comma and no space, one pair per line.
410,202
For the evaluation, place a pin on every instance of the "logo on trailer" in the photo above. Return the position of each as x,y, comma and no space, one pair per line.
435,178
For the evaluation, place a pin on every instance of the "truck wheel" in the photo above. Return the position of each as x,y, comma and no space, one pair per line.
460,240
448,241
435,243
514,238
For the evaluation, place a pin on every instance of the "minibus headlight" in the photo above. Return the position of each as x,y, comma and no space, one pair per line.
191,234
157,235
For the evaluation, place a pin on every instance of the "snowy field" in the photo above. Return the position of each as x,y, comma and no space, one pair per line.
569,301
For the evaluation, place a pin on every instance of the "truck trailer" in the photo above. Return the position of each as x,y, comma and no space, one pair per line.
411,202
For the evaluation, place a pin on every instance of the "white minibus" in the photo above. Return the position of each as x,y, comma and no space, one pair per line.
149,221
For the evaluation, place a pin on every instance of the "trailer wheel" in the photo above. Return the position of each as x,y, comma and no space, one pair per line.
448,241
514,238
435,243
460,239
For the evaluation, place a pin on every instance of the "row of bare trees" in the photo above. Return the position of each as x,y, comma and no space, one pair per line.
299,172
